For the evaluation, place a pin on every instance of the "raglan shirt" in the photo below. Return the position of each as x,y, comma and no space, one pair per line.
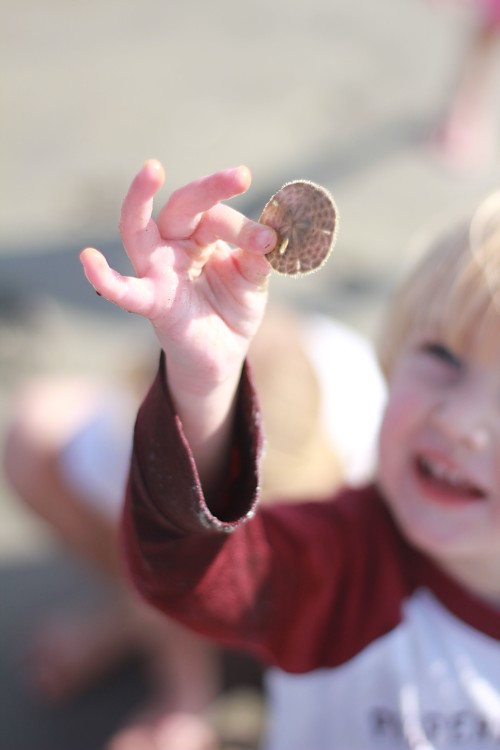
369,644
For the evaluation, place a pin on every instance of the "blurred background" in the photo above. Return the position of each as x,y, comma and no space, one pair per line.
342,92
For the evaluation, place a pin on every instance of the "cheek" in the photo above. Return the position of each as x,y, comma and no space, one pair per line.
401,419
400,416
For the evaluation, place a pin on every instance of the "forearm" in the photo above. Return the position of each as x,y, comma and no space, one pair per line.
164,472
207,413
167,523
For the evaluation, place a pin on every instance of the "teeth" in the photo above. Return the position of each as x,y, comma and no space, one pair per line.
443,473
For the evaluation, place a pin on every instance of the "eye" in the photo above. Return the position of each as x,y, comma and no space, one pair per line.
442,353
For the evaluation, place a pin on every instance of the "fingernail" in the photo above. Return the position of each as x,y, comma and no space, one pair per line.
153,165
267,238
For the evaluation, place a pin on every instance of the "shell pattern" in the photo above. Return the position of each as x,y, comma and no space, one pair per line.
305,217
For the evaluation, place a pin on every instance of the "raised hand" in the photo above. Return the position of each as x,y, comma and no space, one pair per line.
200,271
201,281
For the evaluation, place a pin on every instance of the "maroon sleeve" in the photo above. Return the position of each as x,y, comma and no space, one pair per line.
175,547
290,582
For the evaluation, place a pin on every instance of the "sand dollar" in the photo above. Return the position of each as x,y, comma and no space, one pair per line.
305,218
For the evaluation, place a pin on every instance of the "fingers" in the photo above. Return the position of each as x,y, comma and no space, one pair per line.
137,229
182,213
131,294
192,211
253,269
225,223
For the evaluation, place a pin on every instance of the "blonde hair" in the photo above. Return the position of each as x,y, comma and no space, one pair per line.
454,291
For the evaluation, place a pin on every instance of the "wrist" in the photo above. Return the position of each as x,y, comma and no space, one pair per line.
201,383
206,411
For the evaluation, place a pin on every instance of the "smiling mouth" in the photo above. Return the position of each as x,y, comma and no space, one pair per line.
446,481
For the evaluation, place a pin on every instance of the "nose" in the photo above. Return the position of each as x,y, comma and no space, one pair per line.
464,422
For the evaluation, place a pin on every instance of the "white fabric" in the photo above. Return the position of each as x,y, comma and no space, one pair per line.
353,392
452,667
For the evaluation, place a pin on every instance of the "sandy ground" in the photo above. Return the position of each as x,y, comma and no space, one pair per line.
340,92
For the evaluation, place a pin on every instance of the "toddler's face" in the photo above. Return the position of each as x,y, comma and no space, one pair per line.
439,461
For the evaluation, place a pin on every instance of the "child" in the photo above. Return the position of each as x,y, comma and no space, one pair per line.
379,610
66,456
